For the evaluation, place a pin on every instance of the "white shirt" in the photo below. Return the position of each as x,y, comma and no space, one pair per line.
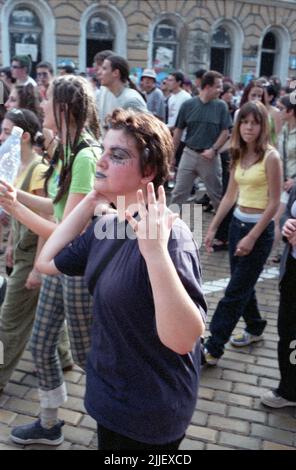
106,103
29,81
130,99
174,104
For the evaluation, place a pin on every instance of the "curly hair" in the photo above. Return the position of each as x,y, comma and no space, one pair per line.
73,104
152,137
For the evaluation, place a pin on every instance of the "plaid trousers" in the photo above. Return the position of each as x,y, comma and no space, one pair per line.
61,297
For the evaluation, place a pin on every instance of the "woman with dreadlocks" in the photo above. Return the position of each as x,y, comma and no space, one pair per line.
69,109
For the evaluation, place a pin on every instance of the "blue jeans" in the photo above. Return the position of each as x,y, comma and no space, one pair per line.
240,298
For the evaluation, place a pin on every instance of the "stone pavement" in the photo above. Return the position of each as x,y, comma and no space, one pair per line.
228,414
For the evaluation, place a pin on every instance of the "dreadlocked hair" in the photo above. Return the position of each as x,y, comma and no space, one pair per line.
74,107
152,138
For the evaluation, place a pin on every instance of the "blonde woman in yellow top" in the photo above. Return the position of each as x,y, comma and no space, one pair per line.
255,186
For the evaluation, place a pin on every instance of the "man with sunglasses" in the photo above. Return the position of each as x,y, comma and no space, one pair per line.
20,70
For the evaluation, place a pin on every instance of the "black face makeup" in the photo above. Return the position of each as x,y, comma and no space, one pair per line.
120,156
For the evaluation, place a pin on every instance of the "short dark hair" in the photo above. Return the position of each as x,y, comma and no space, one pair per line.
101,56
287,102
26,120
24,60
7,72
45,65
119,63
226,88
179,77
209,78
200,73
68,68
272,90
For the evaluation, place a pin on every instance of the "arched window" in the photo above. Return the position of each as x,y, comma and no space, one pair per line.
221,46
25,34
100,36
165,54
101,27
268,55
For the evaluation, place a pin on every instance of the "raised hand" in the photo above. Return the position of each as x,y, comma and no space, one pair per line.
155,224
8,196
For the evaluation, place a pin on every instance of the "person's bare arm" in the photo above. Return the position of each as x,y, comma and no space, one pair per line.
35,202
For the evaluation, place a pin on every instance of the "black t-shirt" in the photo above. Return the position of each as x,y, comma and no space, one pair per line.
136,386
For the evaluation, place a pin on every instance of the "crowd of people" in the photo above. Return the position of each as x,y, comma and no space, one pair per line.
102,274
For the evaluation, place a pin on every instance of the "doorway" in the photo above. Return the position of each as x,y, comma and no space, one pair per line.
93,46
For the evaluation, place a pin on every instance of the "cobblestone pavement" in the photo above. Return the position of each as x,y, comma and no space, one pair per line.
228,414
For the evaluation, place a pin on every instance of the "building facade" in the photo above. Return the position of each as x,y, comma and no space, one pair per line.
237,38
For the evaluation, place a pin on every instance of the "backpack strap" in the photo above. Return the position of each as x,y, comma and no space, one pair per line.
86,144
26,183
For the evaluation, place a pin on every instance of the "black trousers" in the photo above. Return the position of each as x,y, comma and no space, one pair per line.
109,440
223,230
287,332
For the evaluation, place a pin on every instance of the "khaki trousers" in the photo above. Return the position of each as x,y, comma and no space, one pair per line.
192,164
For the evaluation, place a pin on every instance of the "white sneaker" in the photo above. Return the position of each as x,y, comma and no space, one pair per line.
244,339
273,400
209,359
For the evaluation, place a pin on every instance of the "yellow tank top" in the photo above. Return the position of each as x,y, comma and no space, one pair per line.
253,185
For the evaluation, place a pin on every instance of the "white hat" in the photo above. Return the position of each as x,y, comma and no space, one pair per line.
149,73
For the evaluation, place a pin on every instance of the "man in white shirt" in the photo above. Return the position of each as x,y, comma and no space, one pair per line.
105,100
178,96
115,77
20,70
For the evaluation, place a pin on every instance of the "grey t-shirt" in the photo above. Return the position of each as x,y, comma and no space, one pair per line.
204,122
155,103
130,99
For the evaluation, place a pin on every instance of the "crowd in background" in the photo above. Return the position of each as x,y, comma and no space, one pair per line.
236,141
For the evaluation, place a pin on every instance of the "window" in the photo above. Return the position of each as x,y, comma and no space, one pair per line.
100,36
165,55
221,45
25,34
268,55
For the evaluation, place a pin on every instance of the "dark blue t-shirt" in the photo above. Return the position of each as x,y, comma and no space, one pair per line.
136,386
